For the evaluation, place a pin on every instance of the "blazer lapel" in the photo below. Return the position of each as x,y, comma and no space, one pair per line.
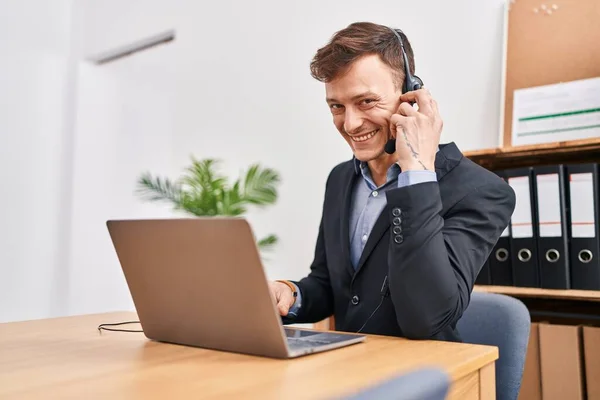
381,226
346,202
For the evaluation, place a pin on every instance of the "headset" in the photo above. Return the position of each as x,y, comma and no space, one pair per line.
385,292
411,82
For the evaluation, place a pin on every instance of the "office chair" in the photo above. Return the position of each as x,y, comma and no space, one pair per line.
502,321
422,384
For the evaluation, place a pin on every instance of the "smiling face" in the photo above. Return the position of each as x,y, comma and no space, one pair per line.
362,100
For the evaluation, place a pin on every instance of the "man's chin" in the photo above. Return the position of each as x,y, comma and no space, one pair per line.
366,155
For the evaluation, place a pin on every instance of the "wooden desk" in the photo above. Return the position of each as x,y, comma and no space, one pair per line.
69,358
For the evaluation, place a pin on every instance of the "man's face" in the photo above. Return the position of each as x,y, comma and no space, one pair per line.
362,100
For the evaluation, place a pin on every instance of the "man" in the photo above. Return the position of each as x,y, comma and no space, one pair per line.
403,235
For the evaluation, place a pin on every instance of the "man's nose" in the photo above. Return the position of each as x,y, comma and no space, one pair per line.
352,122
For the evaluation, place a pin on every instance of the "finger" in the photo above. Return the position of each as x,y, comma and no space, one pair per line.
285,301
398,120
283,309
407,110
436,113
434,107
423,98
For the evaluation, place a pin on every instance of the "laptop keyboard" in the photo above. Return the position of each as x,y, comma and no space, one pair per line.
296,343
306,339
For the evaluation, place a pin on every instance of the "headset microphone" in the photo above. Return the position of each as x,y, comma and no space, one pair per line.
411,82
390,146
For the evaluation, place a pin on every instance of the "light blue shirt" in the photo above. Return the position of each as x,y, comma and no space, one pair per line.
368,200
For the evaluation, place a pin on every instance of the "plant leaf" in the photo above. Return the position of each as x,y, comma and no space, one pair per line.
200,205
205,187
203,175
159,189
233,203
260,185
202,191
267,243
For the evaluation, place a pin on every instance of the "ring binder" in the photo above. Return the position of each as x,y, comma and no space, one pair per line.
584,225
550,209
523,244
500,260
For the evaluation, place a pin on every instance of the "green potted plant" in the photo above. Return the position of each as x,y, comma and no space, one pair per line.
203,191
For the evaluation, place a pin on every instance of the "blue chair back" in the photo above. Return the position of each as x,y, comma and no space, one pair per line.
501,321
422,384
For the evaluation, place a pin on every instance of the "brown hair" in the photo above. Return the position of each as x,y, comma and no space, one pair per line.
357,40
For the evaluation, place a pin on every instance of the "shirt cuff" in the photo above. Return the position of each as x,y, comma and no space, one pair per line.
293,311
413,177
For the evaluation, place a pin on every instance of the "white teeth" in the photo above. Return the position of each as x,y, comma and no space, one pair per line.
365,137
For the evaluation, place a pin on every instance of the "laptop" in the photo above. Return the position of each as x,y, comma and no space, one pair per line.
200,282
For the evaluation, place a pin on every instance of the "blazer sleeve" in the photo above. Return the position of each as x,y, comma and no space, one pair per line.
433,261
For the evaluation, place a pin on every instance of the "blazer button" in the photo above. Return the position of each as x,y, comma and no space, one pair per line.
396,212
397,221
398,239
397,230
355,300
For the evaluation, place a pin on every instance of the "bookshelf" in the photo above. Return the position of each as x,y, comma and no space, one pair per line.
569,294
553,312
582,305
576,151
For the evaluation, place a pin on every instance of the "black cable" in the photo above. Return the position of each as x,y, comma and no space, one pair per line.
371,316
103,327
385,291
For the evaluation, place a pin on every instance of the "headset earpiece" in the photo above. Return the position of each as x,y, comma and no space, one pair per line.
414,83
390,146
411,82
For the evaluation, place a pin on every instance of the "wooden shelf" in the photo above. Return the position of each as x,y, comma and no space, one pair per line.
576,151
585,295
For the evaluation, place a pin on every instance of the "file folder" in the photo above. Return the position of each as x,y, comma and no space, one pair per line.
500,260
583,217
551,214
484,277
523,229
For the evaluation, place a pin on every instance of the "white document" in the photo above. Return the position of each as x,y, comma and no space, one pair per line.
548,191
521,221
582,205
558,112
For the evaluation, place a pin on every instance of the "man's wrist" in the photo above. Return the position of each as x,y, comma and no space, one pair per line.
292,288
415,165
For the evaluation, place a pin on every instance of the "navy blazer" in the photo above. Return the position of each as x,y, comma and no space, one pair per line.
421,259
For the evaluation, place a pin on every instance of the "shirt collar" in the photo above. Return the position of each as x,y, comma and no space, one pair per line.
361,167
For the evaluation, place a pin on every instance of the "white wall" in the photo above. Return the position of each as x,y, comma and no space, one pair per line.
124,127
36,111
234,85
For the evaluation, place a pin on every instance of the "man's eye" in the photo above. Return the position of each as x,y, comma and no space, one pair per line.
368,101
336,108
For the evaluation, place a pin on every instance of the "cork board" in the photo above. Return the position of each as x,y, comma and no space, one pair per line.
549,42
